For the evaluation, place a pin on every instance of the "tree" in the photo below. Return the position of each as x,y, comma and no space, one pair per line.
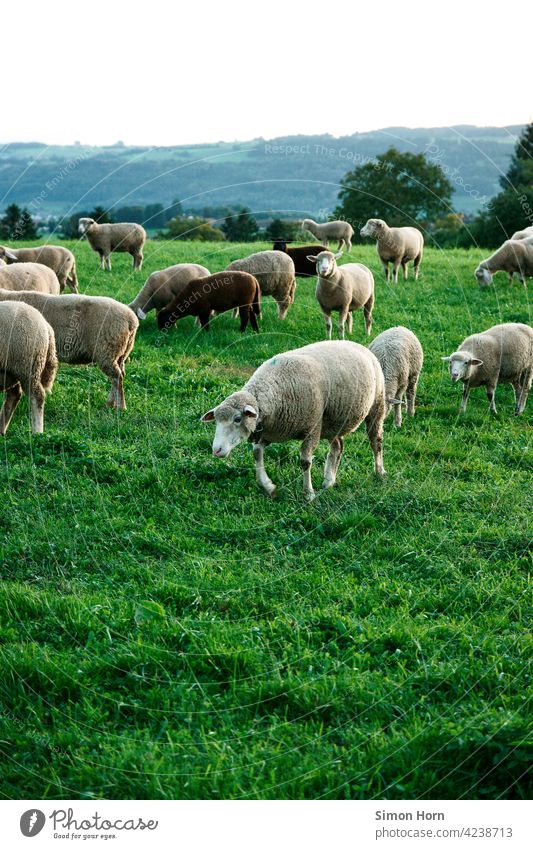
241,226
69,226
402,188
520,172
17,223
100,215
281,229
197,229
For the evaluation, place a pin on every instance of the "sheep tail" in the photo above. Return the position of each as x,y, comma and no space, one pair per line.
256,303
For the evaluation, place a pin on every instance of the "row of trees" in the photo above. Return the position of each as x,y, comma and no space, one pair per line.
402,188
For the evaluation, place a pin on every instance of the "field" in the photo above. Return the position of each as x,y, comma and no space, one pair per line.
166,631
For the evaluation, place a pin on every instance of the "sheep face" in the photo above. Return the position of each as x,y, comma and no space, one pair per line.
462,365
235,422
325,263
483,276
84,224
373,228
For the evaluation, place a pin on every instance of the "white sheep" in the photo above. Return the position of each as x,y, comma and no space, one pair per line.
29,276
399,245
88,329
514,257
343,289
162,287
28,362
401,357
340,231
59,259
522,234
502,354
106,239
320,391
275,274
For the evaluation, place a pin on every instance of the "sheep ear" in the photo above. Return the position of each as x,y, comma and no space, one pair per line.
10,255
249,411
338,254
476,362
446,359
312,258
208,417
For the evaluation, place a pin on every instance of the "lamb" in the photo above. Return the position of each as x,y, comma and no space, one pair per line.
220,292
522,234
59,259
274,271
321,391
339,231
502,354
88,330
29,276
298,254
108,238
28,362
343,289
401,357
163,286
398,245
514,257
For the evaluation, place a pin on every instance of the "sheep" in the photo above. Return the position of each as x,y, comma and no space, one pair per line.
274,271
2,261
401,357
108,238
88,330
398,245
59,259
163,286
339,231
522,234
514,257
321,391
298,254
501,354
29,276
343,289
28,362
220,292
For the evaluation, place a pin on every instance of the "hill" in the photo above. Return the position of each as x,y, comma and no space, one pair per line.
290,175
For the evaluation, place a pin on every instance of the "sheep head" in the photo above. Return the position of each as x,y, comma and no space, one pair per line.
84,224
483,275
462,365
235,419
326,262
374,227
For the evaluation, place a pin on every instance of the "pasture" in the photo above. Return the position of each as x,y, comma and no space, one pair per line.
166,631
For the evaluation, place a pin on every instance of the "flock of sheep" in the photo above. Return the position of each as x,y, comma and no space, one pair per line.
321,391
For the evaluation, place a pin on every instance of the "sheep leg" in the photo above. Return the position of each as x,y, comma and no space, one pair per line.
343,313
306,461
350,321
340,245
108,262
102,260
73,280
411,395
386,270
491,389
525,385
204,320
416,266
253,319
464,401
13,396
395,271
260,474
332,462
235,312
37,396
348,243
327,317
62,280
137,260
244,313
116,396
405,269
400,392
367,312
374,429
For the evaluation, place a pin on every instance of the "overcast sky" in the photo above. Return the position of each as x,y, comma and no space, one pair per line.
163,73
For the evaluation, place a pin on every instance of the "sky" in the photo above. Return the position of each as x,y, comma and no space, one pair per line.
162,73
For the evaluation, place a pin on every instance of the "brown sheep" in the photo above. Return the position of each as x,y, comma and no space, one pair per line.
220,292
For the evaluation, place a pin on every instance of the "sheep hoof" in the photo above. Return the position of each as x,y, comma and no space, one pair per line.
272,493
310,496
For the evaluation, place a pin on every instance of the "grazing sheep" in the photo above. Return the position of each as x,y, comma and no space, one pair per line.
220,292
29,276
401,357
339,231
298,254
163,286
59,259
502,354
398,245
522,234
28,362
343,290
88,330
320,391
274,271
514,257
119,238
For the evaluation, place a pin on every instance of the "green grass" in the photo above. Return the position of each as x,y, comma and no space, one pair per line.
166,631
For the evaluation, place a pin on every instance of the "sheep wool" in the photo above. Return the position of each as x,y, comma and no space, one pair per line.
321,391
401,358
164,285
399,245
59,259
339,231
29,276
106,239
28,362
226,290
514,257
343,289
274,271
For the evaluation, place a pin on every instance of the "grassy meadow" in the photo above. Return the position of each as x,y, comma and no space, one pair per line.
166,631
